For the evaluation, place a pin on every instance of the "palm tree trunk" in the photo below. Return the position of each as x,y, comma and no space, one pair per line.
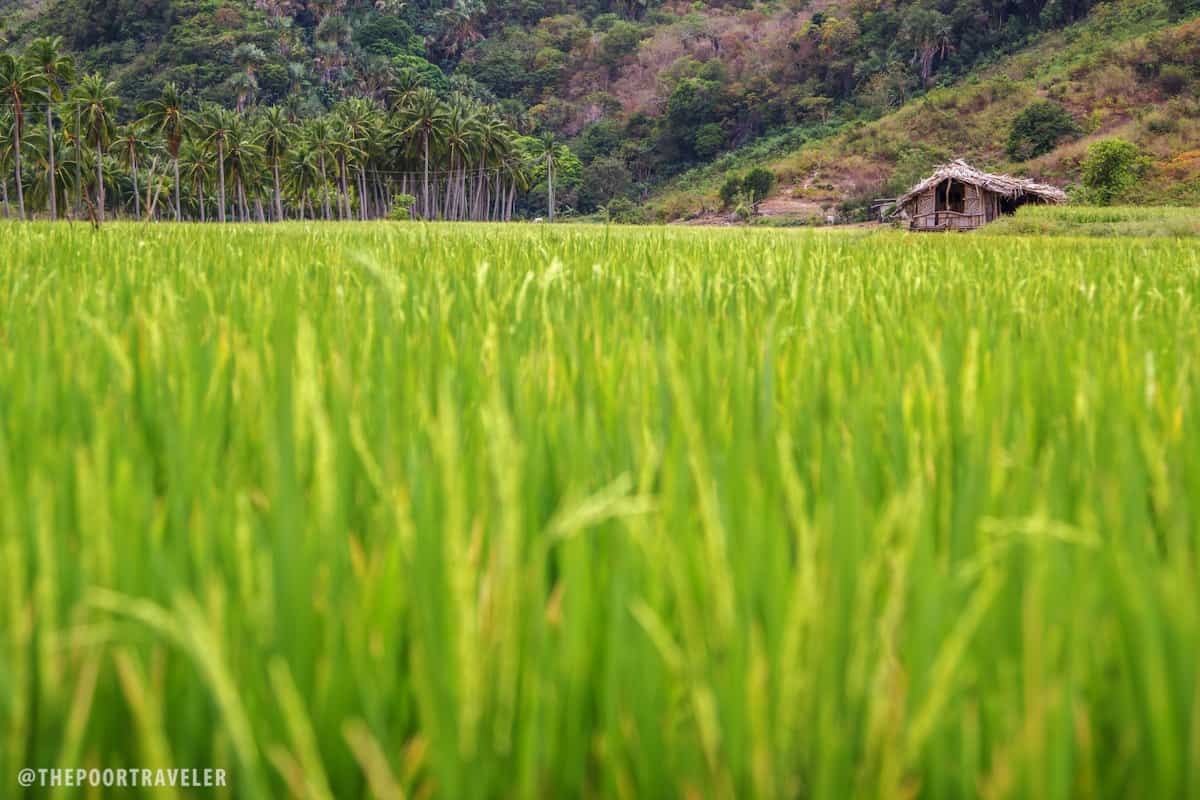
425,189
137,202
241,199
50,151
99,181
362,194
78,163
344,194
220,180
480,200
464,195
550,184
17,163
4,194
461,211
278,194
175,158
448,199
200,196
324,187
346,189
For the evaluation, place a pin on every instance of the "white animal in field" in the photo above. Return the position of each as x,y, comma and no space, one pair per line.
537,220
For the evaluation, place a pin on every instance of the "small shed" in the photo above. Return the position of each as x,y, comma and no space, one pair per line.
958,197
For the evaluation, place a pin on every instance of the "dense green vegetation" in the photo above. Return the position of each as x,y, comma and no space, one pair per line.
642,91
1127,71
402,510
1038,129
456,159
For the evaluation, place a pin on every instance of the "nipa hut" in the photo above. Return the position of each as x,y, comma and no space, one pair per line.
959,197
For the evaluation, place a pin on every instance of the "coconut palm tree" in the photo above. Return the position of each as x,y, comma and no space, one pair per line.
296,72
374,77
495,140
424,124
460,146
243,85
20,86
404,87
275,135
333,35
360,118
6,142
345,149
460,26
248,57
320,134
97,100
199,167
129,144
46,56
40,180
166,117
242,156
217,122
548,151
301,175
514,170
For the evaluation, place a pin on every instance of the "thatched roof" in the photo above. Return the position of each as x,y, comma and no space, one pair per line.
1004,185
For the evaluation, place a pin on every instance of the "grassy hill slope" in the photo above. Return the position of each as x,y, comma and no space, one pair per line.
1128,70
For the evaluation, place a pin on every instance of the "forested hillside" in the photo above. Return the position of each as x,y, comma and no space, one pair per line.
1127,76
642,91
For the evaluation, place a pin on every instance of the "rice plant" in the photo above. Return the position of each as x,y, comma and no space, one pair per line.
470,511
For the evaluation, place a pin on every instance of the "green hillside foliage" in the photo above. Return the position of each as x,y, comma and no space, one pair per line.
644,88
1128,71
1038,129
843,100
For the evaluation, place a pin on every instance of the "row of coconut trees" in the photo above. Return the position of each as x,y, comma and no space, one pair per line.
66,150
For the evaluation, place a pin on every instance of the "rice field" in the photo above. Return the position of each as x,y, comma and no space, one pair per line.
1112,221
466,511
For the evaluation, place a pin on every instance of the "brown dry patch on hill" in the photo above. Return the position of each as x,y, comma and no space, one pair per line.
748,42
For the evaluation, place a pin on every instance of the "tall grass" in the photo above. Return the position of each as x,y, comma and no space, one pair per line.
530,512
1108,221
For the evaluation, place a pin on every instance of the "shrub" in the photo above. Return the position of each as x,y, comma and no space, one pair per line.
708,140
604,179
426,73
1158,123
744,210
758,183
1038,129
401,207
388,36
621,40
623,211
1111,168
1173,79
730,189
